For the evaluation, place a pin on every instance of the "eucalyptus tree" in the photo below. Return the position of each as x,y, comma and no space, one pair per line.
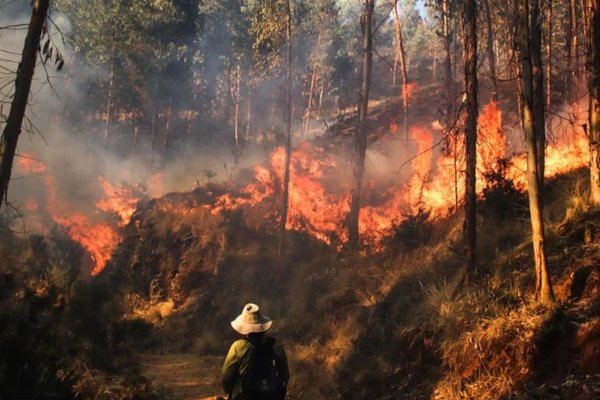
593,71
525,18
360,141
140,52
24,76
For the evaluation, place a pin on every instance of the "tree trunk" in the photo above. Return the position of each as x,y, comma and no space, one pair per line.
594,105
537,71
136,135
248,114
109,97
166,133
470,43
575,49
549,34
433,73
570,44
448,83
543,288
490,49
515,67
394,69
288,133
234,91
401,59
585,22
360,143
14,122
313,78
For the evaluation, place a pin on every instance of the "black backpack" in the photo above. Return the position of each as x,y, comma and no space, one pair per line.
262,379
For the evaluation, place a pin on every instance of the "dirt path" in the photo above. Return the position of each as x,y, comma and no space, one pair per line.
187,376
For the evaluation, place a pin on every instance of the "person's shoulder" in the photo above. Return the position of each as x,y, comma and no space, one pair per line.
240,345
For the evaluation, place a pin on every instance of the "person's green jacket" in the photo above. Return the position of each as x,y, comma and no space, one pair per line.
236,363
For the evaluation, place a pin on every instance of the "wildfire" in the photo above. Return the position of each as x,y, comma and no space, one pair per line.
27,163
118,199
319,189
98,239
98,233
318,205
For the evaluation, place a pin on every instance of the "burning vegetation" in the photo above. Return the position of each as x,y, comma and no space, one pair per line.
319,188
414,233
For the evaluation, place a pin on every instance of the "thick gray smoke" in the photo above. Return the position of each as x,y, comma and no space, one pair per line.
77,159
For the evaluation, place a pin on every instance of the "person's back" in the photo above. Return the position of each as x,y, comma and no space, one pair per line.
256,366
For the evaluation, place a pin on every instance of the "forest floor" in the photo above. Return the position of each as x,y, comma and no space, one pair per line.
187,376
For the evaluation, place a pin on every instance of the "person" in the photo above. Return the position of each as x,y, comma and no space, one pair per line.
244,364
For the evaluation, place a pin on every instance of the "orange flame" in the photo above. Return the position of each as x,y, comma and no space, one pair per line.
318,204
319,193
28,163
98,239
119,200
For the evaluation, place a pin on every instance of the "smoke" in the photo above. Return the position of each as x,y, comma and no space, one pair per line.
75,156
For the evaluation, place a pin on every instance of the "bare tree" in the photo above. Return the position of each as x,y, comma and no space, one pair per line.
490,48
537,71
288,132
401,58
549,37
449,79
360,143
593,12
543,287
470,55
14,123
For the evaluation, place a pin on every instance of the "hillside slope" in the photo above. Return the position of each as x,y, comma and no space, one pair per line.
398,323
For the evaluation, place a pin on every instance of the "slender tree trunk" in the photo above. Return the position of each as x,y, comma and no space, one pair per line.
594,102
321,91
449,80
549,35
537,71
448,76
544,291
394,69
569,34
248,114
136,136
575,44
360,144
109,101
514,64
586,20
470,43
14,122
490,49
401,59
166,133
235,92
435,61
288,133
313,78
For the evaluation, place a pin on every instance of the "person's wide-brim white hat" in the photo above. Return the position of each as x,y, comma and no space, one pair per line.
251,320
